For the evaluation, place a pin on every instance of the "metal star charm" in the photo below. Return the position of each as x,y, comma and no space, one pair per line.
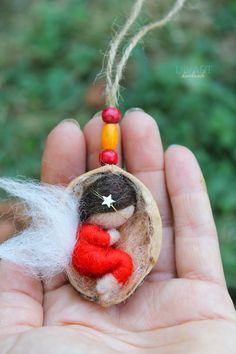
108,201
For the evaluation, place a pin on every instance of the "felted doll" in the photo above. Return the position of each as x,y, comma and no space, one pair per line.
105,206
119,236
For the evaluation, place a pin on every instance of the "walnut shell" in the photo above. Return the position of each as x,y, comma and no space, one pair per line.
141,237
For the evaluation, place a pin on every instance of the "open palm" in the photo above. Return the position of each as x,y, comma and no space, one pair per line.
183,306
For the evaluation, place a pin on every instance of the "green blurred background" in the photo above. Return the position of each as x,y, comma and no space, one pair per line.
183,75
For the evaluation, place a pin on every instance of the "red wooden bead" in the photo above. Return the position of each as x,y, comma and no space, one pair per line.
109,157
111,115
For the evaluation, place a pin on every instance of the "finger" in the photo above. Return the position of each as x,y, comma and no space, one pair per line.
63,160
20,295
20,298
64,154
6,209
143,154
12,220
196,243
6,221
6,230
93,133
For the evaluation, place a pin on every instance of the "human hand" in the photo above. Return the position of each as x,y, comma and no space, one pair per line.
11,219
183,305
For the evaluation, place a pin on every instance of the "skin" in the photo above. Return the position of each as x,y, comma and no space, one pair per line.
183,306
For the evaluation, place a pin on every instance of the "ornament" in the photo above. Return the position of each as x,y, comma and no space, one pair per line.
136,248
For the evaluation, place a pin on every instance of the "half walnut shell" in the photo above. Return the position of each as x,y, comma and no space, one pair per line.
141,237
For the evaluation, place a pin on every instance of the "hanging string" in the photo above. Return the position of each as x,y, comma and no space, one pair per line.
113,80
114,45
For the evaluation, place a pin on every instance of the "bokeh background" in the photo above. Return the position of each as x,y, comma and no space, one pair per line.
184,75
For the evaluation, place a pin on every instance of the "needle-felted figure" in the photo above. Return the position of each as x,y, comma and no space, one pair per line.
105,206
118,238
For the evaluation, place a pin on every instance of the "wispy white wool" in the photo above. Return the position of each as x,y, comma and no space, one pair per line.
45,247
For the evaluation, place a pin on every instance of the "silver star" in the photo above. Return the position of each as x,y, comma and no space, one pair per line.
108,201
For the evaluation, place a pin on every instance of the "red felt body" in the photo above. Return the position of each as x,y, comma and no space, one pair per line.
93,256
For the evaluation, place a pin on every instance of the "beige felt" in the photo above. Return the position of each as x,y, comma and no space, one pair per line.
141,237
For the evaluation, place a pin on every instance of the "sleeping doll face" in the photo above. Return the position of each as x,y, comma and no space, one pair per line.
109,202
112,219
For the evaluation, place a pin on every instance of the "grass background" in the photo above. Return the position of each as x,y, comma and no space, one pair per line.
51,52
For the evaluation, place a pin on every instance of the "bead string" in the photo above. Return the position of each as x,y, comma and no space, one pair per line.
110,136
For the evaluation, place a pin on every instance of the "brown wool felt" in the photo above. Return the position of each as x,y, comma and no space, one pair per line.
141,235
122,190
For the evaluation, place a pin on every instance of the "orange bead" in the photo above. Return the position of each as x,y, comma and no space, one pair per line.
109,136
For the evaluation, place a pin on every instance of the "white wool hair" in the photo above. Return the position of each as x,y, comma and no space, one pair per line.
45,247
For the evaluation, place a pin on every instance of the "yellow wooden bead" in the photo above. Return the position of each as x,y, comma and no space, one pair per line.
109,136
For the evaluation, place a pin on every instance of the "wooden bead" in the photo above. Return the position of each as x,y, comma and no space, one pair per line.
111,115
109,136
109,157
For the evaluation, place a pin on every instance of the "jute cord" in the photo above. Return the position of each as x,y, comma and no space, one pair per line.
114,68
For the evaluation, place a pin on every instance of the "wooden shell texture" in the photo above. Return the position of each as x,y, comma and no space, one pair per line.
141,237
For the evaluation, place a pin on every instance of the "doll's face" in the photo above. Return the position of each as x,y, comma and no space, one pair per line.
113,219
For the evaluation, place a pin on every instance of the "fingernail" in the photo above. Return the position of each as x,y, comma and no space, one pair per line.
98,114
70,120
173,145
134,109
